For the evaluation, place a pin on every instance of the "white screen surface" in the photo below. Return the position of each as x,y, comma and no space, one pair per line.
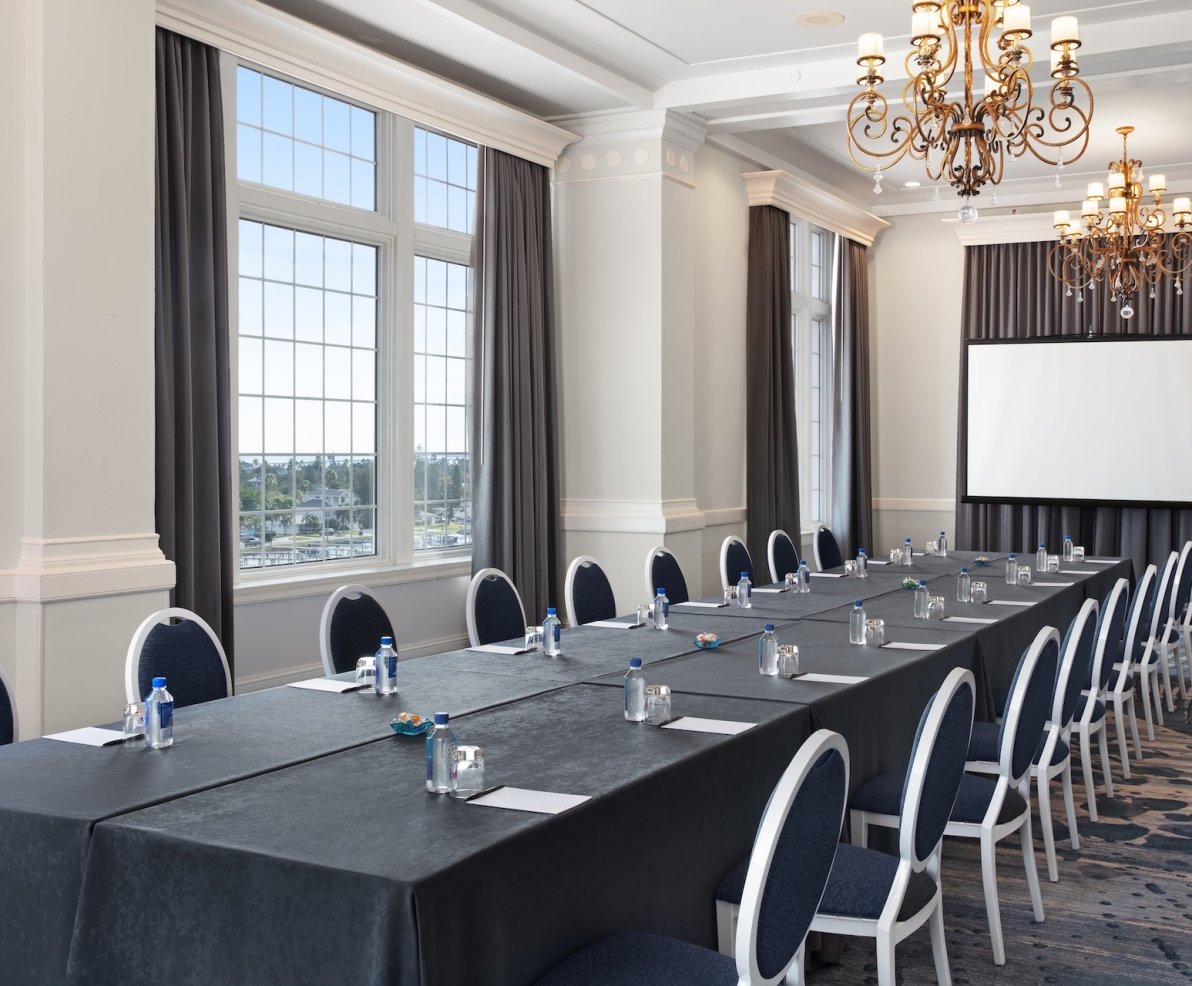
1071,421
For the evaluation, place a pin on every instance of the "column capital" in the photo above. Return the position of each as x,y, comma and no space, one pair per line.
619,144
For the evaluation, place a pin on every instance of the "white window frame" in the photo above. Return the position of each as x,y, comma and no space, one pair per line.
395,559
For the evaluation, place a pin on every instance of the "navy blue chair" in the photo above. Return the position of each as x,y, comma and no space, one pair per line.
1129,649
734,559
494,609
1153,663
587,592
875,895
662,569
351,627
827,550
1169,632
782,555
782,886
187,654
8,714
988,809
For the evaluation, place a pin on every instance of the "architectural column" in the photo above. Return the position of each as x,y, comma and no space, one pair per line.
624,235
80,565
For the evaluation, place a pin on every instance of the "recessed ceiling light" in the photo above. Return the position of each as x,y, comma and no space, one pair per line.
911,184
819,18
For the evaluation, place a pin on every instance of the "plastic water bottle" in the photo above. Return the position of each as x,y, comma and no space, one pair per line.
767,651
552,630
440,749
921,600
856,623
385,682
159,716
964,586
1041,559
635,691
1011,569
1067,547
745,592
804,577
862,564
661,609
908,553
943,544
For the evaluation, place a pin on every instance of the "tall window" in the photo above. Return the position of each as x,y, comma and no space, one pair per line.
341,407
812,251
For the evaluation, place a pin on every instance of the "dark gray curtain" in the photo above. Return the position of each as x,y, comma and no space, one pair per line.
771,446
1009,293
515,447
196,515
852,488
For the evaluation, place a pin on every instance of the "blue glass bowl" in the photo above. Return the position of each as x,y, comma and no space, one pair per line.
404,727
910,583
982,562
707,645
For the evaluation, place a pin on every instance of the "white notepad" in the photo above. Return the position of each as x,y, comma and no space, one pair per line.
498,649
1073,571
89,736
773,588
968,619
907,645
826,575
874,561
1007,602
832,679
1053,585
704,605
694,724
612,625
1100,561
326,685
524,799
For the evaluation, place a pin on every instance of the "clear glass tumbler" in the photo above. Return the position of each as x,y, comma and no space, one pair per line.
467,771
788,660
658,704
366,671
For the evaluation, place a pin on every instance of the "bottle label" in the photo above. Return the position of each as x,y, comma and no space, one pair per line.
666,611
388,665
557,631
430,756
165,712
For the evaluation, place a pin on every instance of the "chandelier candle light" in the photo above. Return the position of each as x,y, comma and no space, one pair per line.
967,139
1124,244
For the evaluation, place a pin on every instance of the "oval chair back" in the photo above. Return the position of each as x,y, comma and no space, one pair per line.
1163,598
827,550
662,569
1028,706
782,555
791,859
1076,657
734,559
8,714
352,625
494,608
587,593
1181,592
187,654
935,768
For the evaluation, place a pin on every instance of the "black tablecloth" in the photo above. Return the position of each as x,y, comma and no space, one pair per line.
345,870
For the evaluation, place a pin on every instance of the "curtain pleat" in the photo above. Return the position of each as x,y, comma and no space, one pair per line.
771,445
515,410
196,513
1010,293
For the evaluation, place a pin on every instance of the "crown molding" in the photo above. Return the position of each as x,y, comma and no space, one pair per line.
253,31
621,144
784,190
1027,227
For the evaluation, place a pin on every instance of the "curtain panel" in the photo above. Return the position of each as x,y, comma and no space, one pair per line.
515,415
852,465
196,512
771,444
1009,293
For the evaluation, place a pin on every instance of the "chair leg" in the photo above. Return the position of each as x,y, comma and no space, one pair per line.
1070,806
989,881
1134,726
1086,765
794,975
1165,669
1032,874
1044,787
939,947
860,828
726,926
1144,686
885,959
1103,743
1158,698
1119,722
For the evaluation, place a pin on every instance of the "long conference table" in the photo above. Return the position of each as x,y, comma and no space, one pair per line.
288,837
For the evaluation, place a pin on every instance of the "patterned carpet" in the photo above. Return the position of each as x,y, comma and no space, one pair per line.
1121,914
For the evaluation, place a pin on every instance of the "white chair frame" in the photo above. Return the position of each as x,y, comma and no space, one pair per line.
354,590
1168,636
1149,672
133,657
988,831
12,705
775,575
1122,690
569,585
470,605
724,576
819,566
1182,627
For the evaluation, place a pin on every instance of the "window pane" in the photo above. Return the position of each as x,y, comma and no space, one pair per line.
444,181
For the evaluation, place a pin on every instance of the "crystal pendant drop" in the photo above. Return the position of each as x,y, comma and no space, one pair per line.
967,215
877,182
1127,311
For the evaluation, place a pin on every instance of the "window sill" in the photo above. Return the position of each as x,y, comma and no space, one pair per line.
323,583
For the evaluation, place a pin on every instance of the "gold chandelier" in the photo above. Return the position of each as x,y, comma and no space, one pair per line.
1126,245
967,140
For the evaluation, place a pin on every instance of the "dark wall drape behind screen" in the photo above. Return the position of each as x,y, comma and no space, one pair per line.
771,446
196,515
515,445
1009,293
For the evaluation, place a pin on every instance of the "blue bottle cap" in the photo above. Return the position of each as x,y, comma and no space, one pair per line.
744,575
1067,537
442,718
1011,556
660,591
860,551
1043,546
635,662
802,562
964,571
943,534
906,540
386,641
768,627
856,604
550,611
922,582
159,682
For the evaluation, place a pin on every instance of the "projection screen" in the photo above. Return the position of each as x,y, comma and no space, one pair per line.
1106,421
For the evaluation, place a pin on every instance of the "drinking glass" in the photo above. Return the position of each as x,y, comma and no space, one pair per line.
730,595
643,614
134,724
935,608
366,671
933,547
467,771
875,632
895,556
658,704
850,567
979,593
533,638
1078,553
788,660
791,580
1053,563
1024,574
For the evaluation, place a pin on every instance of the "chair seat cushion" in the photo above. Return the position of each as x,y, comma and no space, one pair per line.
632,957
983,744
882,795
974,795
860,883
